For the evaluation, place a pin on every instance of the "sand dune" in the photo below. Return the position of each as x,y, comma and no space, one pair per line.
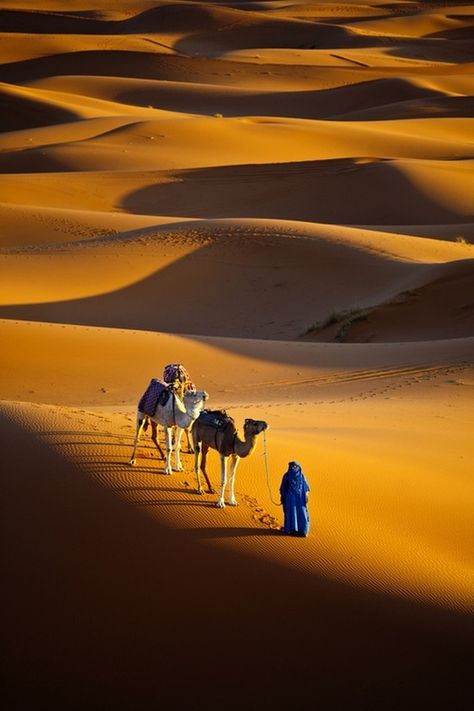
29,225
279,196
427,191
323,277
233,101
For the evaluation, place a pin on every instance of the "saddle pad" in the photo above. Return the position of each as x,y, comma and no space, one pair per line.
219,419
177,371
157,391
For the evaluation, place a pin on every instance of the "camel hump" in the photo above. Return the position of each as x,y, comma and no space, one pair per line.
219,419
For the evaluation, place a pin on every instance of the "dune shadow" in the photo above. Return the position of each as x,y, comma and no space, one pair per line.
305,190
438,106
20,113
178,503
311,104
228,532
79,433
455,49
458,34
268,34
116,63
50,22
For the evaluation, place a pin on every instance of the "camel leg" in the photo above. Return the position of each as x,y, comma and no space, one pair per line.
220,501
233,468
189,440
169,449
177,448
197,467
140,425
205,449
173,435
154,433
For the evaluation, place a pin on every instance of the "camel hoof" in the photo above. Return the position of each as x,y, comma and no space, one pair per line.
180,468
220,505
200,491
132,462
234,502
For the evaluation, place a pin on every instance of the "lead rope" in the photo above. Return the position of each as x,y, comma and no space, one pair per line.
276,503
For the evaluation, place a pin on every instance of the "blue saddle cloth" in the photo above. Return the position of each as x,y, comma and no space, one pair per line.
156,392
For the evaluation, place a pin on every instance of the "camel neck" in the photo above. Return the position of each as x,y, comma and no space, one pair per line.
244,447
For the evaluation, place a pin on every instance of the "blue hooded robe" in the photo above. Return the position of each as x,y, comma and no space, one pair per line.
293,492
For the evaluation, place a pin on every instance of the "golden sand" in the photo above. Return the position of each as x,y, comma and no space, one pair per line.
278,196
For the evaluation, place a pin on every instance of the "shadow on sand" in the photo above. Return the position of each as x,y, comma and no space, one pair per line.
108,608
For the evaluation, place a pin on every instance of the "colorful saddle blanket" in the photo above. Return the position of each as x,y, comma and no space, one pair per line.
177,371
156,392
219,419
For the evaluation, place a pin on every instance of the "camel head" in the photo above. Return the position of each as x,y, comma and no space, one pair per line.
193,401
254,427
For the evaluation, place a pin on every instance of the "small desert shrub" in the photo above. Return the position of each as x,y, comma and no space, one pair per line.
345,319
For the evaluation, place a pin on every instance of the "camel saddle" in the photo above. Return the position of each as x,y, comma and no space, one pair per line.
157,393
177,371
219,419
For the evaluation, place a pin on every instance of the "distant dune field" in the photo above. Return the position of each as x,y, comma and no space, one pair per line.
278,195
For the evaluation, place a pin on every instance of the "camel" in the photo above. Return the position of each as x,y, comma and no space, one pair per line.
177,412
175,374
226,442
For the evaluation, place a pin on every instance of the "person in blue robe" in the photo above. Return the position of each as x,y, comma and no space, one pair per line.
294,498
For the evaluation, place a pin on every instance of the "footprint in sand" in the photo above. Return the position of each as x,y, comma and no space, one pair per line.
259,514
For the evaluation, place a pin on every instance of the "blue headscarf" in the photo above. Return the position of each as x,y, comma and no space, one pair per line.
294,478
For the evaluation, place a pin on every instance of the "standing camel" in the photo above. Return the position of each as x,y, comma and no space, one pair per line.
226,441
175,374
176,412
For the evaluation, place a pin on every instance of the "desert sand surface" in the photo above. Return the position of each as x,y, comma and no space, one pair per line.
278,195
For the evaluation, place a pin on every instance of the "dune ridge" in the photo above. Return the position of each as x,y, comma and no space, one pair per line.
279,196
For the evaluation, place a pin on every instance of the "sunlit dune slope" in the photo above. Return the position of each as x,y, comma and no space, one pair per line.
80,365
29,225
183,143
